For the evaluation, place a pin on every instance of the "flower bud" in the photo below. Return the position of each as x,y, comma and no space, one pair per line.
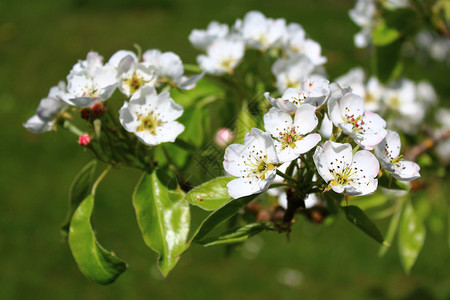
84,139
224,137
85,113
99,109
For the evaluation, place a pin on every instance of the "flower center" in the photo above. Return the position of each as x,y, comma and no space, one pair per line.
134,83
288,138
258,165
357,123
397,159
343,177
149,123
227,64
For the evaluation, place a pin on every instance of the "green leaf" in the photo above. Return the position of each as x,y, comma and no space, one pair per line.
219,216
383,35
193,119
411,237
210,195
387,60
392,229
79,190
95,262
358,218
163,218
236,235
389,182
244,123
371,201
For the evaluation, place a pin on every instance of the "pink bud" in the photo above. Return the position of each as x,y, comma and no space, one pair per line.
224,137
99,109
84,139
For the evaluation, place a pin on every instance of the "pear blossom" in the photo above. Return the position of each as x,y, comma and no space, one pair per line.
291,137
224,137
169,68
260,32
132,74
353,174
297,43
48,110
202,39
435,46
254,163
151,116
84,139
366,128
222,56
363,15
313,90
291,72
90,81
372,92
388,153
326,128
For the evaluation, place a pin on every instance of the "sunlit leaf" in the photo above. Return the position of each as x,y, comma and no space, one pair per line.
411,237
163,218
244,123
358,218
210,195
79,190
95,262
383,35
236,235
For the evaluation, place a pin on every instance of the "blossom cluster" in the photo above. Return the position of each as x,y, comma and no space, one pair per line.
404,100
149,115
225,47
290,135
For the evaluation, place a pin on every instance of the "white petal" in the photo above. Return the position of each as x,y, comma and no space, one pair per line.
322,165
233,159
240,187
406,170
276,121
351,105
365,164
307,143
117,57
305,119
37,125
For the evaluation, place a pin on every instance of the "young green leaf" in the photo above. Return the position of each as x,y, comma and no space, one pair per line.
411,237
163,218
357,217
236,235
219,216
392,229
210,195
244,123
79,190
95,262
383,35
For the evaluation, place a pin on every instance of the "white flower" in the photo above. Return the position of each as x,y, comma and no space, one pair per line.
366,128
394,4
48,110
388,153
132,75
426,93
260,32
296,43
326,128
254,163
90,81
372,92
151,117
313,91
201,39
291,137
291,72
353,174
222,56
363,14
169,68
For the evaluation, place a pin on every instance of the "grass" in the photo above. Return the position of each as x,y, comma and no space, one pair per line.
38,45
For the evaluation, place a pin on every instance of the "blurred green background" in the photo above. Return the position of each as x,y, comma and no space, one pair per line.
39,43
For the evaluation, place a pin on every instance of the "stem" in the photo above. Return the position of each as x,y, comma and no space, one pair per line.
72,128
288,178
94,187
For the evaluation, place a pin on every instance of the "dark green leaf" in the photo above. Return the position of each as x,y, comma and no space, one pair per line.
163,218
236,235
411,237
357,217
80,189
210,195
389,182
95,262
220,215
388,64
